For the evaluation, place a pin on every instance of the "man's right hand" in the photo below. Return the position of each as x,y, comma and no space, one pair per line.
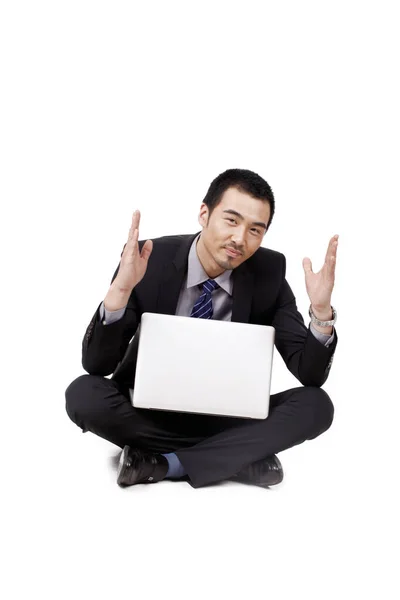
132,268
133,264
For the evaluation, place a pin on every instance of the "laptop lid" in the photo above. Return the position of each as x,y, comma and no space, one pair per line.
203,366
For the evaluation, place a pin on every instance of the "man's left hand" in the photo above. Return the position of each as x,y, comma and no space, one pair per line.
320,285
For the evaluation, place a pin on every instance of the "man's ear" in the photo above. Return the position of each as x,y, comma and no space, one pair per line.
203,215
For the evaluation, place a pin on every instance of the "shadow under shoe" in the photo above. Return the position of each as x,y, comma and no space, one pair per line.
138,466
264,472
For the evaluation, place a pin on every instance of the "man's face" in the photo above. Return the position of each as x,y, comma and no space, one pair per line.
238,224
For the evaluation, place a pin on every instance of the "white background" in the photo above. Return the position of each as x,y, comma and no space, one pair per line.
107,107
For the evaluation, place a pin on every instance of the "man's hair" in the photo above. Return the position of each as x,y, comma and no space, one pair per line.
245,181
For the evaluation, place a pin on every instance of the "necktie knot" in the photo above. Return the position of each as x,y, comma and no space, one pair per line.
210,285
203,308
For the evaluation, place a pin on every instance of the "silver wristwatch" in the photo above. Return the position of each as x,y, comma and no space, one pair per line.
323,323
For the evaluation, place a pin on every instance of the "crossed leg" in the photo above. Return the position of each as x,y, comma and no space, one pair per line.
211,448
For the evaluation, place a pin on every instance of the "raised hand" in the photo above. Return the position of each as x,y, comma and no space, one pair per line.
320,285
133,264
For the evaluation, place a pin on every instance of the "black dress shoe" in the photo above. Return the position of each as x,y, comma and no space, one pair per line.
264,472
137,466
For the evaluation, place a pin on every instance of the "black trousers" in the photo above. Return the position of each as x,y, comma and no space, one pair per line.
211,448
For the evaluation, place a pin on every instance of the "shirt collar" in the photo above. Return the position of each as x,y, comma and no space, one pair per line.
197,275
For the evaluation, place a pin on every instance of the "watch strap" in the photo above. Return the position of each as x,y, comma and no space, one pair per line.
323,323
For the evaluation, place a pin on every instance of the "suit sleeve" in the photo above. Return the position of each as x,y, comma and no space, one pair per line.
103,346
304,355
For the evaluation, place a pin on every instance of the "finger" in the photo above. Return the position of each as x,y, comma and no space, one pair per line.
335,242
147,250
331,251
132,245
307,266
330,267
132,231
135,219
133,226
331,254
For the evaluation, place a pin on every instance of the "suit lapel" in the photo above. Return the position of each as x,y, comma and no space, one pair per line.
173,277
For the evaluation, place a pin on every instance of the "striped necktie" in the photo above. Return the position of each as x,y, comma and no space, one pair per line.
203,308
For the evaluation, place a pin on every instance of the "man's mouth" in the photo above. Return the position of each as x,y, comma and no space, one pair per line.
233,253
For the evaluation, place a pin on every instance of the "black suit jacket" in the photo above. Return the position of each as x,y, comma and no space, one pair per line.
261,295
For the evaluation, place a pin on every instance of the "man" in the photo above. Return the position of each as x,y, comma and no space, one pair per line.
221,273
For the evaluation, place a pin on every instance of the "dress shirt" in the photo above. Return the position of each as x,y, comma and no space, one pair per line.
191,291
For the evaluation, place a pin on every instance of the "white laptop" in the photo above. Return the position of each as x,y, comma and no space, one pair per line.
203,366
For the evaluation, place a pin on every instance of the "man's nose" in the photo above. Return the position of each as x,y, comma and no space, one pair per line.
238,237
